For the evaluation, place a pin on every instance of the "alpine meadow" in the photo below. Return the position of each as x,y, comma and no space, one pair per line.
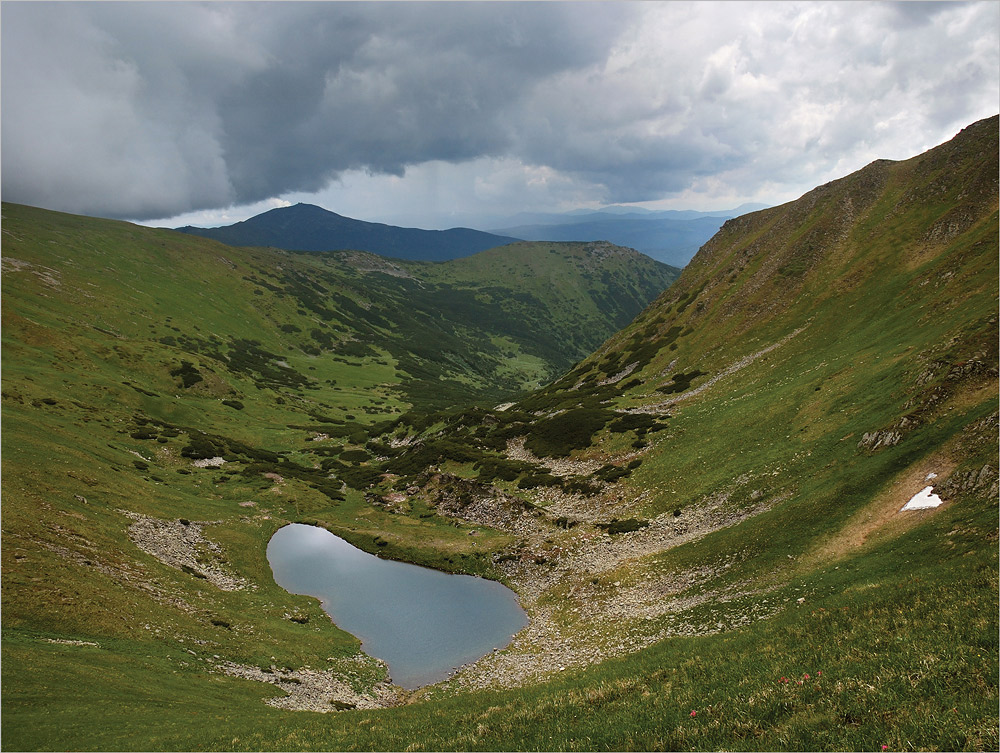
693,480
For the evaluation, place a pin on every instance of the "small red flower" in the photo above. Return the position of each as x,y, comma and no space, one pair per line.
694,713
819,674
885,747
807,676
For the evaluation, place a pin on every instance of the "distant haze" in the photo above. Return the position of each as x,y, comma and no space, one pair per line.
439,115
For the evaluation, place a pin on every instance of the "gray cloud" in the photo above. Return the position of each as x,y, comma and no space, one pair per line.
146,110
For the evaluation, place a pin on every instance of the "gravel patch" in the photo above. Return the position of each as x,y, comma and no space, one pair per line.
315,690
181,544
556,466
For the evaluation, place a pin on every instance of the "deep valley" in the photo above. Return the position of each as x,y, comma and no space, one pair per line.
692,480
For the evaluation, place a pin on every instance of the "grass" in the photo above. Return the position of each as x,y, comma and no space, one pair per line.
891,660
779,354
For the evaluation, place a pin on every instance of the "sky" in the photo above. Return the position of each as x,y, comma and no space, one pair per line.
463,113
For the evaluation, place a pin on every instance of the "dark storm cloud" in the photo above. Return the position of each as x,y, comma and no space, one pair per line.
150,108
145,110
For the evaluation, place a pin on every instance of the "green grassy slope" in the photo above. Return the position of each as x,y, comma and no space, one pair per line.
130,353
713,555
433,334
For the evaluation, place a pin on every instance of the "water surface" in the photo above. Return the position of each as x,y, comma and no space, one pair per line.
423,623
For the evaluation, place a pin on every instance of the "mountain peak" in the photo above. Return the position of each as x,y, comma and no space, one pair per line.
308,227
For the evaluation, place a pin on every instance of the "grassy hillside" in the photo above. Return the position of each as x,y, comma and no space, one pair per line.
702,518
428,334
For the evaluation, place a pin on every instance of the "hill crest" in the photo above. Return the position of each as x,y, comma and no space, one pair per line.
307,227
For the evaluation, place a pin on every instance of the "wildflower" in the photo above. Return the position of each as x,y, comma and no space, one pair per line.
694,713
807,676
885,747
819,674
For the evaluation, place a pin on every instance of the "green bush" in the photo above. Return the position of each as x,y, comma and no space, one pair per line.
622,526
559,435
355,456
680,382
538,479
579,485
189,375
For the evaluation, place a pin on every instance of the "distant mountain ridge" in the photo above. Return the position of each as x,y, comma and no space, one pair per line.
307,227
670,236
618,211
672,242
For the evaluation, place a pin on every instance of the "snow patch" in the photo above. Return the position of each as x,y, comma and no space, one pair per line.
922,500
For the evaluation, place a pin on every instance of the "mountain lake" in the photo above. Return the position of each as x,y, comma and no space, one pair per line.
423,623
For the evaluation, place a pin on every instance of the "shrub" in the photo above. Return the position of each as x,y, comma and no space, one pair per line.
189,375
632,422
680,382
622,526
538,479
501,468
561,434
611,473
354,456
579,485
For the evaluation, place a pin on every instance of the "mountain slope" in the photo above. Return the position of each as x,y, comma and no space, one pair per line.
702,517
440,333
746,446
306,227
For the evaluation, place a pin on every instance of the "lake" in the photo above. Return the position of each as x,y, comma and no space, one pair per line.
423,623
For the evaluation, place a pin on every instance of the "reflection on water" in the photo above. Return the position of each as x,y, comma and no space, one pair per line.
423,623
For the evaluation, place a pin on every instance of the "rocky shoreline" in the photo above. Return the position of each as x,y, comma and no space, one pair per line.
590,595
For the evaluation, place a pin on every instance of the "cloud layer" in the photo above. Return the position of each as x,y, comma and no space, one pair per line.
149,110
